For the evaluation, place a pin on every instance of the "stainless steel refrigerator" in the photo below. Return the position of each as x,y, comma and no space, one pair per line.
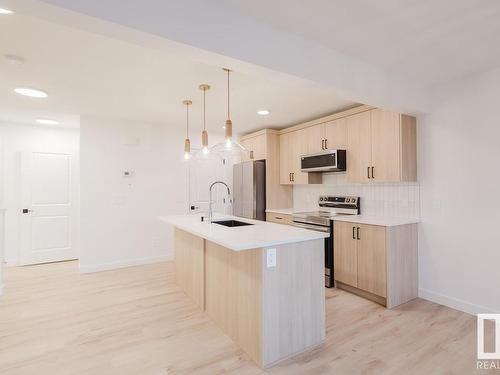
249,190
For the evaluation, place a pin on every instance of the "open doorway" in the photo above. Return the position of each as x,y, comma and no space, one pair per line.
40,193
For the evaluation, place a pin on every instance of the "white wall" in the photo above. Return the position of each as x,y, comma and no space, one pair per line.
459,173
119,216
15,140
396,200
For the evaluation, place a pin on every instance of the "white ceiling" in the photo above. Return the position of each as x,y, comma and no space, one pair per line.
87,74
430,41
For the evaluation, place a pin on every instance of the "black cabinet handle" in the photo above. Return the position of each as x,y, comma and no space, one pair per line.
373,168
357,232
322,144
353,233
293,177
326,144
368,172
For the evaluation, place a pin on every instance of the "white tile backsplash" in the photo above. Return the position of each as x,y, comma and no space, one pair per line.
382,199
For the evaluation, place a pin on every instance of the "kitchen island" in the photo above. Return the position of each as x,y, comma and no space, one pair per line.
262,283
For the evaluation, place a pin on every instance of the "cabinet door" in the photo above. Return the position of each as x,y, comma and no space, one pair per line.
345,253
315,137
298,149
359,150
336,134
256,148
285,159
372,259
386,145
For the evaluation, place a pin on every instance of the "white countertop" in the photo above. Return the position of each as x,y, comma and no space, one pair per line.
261,234
386,221
377,220
283,211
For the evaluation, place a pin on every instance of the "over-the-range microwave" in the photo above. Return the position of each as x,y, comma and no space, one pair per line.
325,161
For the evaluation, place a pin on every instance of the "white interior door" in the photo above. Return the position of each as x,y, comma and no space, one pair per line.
48,211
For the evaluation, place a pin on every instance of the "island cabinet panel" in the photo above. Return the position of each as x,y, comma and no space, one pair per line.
233,295
190,265
270,312
293,301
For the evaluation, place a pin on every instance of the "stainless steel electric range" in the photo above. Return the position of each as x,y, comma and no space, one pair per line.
322,220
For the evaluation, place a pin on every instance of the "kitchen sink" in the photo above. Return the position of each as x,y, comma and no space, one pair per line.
231,223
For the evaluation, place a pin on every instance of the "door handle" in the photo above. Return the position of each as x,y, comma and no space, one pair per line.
368,172
357,233
27,211
353,233
373,175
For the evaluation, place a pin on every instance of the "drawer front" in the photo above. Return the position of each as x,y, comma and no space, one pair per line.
279,218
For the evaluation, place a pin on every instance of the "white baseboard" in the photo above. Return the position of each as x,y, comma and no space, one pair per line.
122,264
454,303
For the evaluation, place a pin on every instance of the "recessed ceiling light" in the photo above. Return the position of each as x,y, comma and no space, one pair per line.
5,11
32,93
263,112
45,121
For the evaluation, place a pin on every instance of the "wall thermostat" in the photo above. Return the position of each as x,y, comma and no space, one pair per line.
128,174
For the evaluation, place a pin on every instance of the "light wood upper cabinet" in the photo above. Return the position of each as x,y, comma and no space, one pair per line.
381,147
385,135
286,159
256,147
292,146
315,136
331,135
265,145
345,253
359,147
371,252
336,134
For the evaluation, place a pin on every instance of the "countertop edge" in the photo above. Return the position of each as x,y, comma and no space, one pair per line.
244,246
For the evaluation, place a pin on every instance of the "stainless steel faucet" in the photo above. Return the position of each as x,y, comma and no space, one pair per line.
210,199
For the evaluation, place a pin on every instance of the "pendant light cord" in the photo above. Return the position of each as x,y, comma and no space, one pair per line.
228,113
187,120
204,114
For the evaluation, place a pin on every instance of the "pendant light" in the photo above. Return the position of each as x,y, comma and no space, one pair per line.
204,133
187,142
229,124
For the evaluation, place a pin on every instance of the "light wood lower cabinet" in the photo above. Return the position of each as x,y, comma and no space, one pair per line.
371,259
377,262
279,218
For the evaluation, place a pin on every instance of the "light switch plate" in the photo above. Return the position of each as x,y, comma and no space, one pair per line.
271,258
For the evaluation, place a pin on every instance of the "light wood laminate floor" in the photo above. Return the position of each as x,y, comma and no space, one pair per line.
54,320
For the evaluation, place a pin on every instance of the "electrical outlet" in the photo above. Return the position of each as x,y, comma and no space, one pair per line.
271,258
